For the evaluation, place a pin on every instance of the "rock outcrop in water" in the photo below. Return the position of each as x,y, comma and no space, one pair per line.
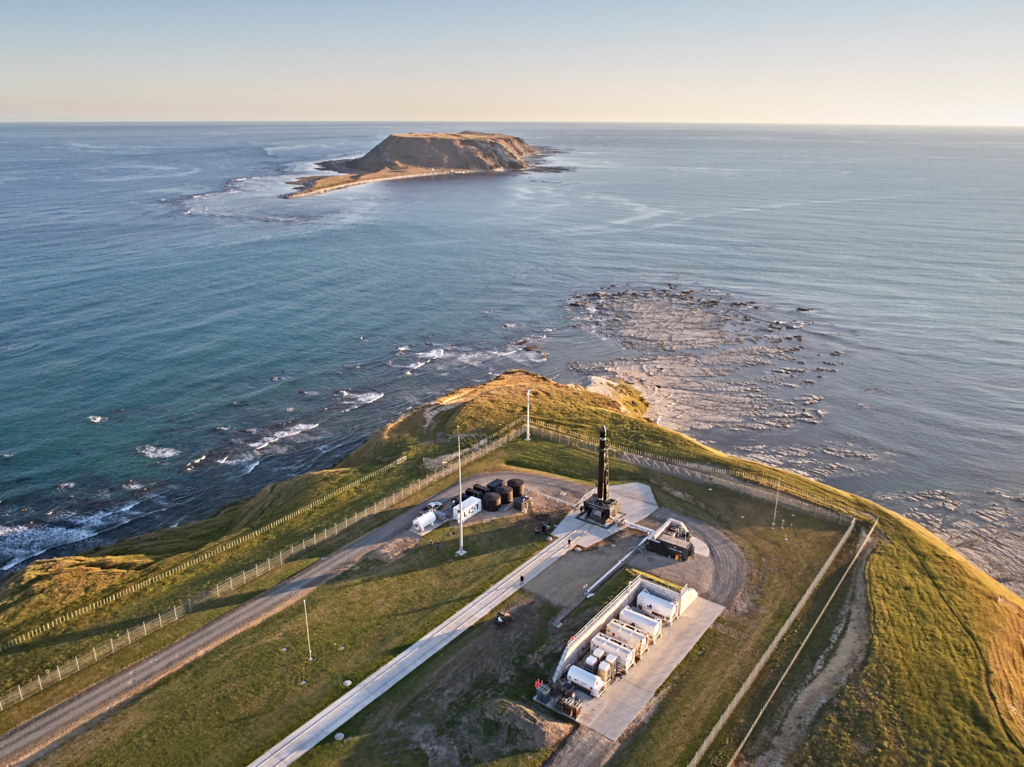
468,150
404,155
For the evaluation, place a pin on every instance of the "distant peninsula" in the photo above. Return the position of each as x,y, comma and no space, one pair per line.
408,155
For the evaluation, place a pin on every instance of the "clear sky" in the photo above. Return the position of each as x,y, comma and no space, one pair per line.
912,62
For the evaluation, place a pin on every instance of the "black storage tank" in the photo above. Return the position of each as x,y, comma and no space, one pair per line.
491,501
506,493
518,487
495,484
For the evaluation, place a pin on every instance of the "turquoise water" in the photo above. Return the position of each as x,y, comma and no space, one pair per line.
152,278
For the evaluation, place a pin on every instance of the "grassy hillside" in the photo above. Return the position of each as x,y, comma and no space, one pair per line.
943,682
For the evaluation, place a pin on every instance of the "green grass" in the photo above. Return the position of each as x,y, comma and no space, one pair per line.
458,707
944,675
700,688
241,698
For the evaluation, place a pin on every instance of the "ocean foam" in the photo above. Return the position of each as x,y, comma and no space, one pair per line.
96,418
431,354
362,399
157,452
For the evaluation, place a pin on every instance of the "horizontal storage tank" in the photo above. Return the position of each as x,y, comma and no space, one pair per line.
518,487
506,493
647,624
424,521
605,670
481,489
634,637
624,654
686,598
591,684
475,492
656,606
491,501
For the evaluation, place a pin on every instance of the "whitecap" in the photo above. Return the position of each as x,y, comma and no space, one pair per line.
66,486
96,418
276,436
362,399
431,354
131,484
157,452
251,466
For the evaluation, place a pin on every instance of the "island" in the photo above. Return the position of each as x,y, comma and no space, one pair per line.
410,155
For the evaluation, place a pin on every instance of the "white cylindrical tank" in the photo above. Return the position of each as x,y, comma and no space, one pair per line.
656,606
686,598
629,635
592,684
647,624
605,670
624,654
424,521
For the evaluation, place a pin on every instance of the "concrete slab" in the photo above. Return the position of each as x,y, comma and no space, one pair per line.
613,712
563,582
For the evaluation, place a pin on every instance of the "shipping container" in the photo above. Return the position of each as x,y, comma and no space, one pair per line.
624,654
628,635
591,684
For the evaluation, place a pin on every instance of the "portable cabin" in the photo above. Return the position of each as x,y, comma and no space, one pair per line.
624,654
590,664
647,624
657,607
629,635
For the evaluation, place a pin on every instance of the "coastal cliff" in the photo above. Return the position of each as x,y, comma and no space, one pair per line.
405,155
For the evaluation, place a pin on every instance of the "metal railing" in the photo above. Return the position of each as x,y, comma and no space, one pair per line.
192,603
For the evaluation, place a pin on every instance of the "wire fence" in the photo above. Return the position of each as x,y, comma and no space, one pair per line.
194,560
192,603
789,496
745,482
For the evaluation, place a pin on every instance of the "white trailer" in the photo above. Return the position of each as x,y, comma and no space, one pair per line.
424,522
647,624
629,635
591,684
624,654
657,607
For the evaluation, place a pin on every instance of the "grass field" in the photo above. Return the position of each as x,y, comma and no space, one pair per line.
237,701
944,675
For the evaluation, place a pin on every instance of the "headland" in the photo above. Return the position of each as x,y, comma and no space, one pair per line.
410,155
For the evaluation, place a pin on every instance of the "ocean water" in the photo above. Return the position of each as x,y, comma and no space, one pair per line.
174,335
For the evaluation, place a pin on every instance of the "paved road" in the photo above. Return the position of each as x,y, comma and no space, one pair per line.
383,679
30,737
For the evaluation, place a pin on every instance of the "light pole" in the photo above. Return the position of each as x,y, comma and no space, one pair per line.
777,483
528,414
308,643
458,497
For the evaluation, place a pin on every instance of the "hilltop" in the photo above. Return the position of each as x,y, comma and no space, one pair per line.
939,681
404,155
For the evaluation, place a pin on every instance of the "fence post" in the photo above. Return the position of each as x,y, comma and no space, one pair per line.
59,679
40,680
77,666
161,619
20,693
129,642
111,645
94,657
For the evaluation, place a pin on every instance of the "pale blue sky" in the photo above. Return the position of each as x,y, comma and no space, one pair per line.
789,61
